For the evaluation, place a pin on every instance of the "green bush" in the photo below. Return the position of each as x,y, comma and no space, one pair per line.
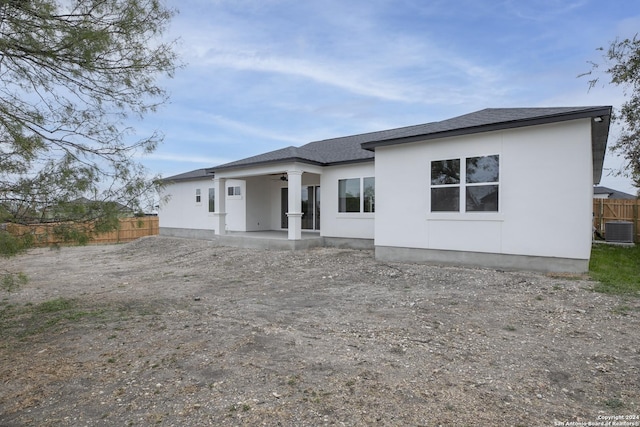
11,245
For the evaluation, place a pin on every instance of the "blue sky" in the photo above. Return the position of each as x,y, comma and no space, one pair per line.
265,74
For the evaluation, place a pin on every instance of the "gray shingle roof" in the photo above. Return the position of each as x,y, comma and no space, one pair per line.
357,148
195,174
284,154
485,120
612,194
327,152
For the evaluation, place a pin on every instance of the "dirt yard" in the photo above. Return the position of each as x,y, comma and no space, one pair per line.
176,332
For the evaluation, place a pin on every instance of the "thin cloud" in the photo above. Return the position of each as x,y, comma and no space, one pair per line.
353,55
195,159
251,130
542,11
372,78
336,75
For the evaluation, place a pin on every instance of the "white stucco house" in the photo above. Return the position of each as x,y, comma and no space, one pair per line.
468,190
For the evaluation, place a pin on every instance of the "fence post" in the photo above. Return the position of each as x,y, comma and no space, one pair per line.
635,220
602,216
599,214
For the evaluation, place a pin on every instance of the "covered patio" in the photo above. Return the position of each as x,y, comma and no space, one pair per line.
274,204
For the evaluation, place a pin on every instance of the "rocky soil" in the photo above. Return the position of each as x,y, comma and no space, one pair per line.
176,332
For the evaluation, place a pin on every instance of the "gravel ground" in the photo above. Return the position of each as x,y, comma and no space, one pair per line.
176,332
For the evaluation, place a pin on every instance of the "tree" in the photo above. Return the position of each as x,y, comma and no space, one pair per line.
622,63
72,72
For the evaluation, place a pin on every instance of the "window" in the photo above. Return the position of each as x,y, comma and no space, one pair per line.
478,182
349,195
198,199
445,185
212,200
369,191
482,176
233,191
350,191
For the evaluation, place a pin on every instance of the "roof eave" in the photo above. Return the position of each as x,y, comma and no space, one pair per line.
177,178
265,162
599,136
511,124
172,180
346,162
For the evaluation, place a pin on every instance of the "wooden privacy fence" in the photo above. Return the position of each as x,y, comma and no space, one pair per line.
608,210
129,229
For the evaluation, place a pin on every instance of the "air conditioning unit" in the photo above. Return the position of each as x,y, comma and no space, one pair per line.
619,231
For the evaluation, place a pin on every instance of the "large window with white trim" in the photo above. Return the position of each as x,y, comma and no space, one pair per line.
357,195
468,184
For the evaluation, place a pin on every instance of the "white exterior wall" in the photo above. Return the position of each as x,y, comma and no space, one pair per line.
275,195
545,194
182,211
348,224
258,204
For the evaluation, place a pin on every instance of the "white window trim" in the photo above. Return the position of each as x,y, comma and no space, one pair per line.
466,216
198,194
463,214
356,215
361,213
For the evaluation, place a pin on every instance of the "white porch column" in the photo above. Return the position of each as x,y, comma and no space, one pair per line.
220,213
295,204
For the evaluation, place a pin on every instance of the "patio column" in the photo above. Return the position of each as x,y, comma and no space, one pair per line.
295,204
220,213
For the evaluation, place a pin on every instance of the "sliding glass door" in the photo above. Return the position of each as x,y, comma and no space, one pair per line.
310,207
